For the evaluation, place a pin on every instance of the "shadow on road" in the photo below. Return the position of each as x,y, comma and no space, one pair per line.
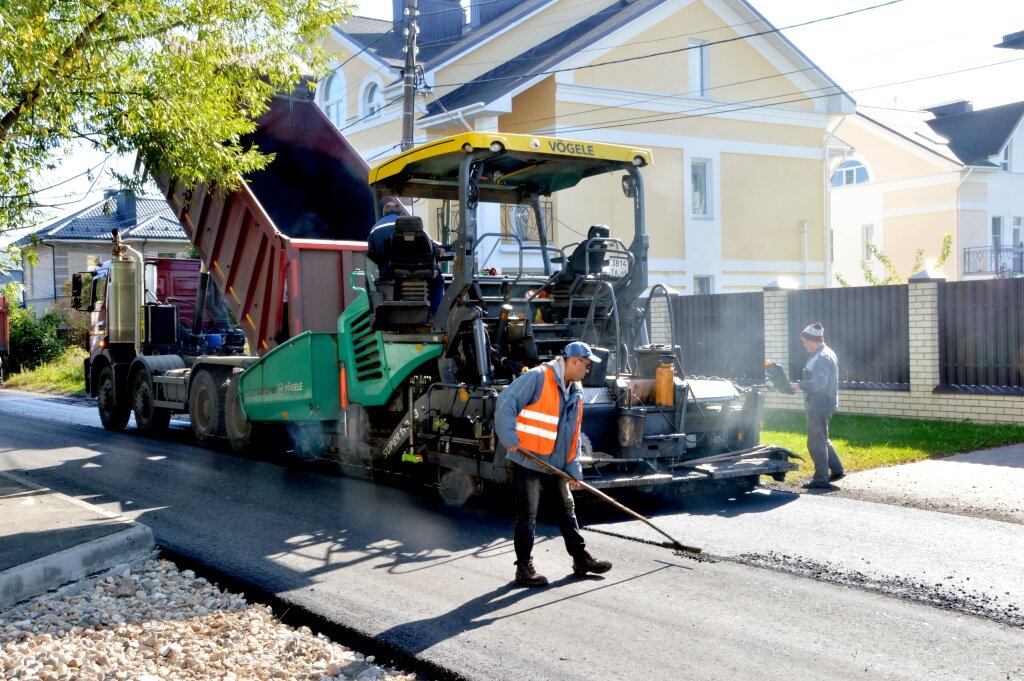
494,606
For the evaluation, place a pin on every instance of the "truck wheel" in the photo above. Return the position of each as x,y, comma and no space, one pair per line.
206,405
242,433
148,419
114,413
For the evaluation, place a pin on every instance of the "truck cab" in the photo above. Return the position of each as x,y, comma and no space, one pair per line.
143,323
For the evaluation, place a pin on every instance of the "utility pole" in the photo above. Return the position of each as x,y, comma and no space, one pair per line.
409,76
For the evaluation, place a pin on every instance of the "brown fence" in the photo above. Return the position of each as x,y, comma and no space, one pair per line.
981,336
867,326
722,335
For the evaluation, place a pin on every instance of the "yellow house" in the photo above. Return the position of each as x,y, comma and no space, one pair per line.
903,180
735,114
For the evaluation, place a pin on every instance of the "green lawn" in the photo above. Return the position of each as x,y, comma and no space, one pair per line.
872,441
63,376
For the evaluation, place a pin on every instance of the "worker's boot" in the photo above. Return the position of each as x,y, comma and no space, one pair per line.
585,563
527,576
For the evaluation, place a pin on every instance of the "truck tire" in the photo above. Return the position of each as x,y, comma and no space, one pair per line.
149,419
114,413
206,405
242,433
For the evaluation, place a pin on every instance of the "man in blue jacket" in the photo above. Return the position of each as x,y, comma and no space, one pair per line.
820,386
541,412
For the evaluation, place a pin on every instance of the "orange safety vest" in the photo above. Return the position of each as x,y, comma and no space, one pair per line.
537,423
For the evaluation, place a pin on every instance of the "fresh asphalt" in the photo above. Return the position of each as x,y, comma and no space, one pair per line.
435,582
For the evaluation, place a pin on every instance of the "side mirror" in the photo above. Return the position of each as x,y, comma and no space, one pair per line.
76,291
629,186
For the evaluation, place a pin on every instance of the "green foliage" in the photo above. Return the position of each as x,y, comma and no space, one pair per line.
864,441
34,342
180,81
892,275
64,375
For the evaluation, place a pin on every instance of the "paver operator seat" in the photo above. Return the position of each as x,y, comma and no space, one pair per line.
408,276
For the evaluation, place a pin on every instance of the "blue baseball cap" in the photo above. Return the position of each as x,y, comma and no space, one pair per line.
580,349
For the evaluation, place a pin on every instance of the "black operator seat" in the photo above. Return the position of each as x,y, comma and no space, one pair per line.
578,265
412,254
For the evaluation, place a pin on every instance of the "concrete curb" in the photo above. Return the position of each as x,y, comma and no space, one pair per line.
76,562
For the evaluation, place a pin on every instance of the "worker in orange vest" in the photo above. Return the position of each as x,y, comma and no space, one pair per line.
541,412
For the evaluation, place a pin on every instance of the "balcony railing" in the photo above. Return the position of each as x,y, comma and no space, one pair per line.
999,260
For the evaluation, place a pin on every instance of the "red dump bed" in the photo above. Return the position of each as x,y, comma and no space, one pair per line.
281,249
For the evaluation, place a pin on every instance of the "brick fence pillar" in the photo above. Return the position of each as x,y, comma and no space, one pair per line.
776,322
923,304
776,338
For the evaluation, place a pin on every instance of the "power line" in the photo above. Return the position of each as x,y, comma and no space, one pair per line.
683,114
667,52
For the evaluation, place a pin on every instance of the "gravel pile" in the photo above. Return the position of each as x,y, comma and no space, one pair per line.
152,621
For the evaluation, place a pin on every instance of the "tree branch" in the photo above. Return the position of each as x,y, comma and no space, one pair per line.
36,90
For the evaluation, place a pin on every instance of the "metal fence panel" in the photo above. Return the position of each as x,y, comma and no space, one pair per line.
867,326
722,335
981,335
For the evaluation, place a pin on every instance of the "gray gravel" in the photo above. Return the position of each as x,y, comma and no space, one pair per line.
152,621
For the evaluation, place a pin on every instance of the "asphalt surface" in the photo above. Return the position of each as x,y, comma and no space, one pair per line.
435,582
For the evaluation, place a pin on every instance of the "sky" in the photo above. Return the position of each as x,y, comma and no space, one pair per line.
910,54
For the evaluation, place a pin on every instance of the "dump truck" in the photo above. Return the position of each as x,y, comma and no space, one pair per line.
368,366
273,262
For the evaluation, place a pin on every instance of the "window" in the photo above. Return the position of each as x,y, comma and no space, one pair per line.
700,181
867,233
373,100
850,172
1018,231
333,98
1004,159
997,231
698,60
703,286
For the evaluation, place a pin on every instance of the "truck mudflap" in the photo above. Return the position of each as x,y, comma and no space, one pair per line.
745,463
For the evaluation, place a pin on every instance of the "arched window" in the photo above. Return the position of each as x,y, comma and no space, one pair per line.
333,98
373,99
850,172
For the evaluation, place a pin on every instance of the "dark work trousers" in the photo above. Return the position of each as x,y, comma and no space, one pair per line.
528,485
820,447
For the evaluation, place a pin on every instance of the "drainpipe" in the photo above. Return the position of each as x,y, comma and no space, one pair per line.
803,235
956,225
827,208
53,269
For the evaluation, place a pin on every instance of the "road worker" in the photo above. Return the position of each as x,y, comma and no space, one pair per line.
541,412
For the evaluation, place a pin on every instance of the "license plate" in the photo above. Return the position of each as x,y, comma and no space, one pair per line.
616,267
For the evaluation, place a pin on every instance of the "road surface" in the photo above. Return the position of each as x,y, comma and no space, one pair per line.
436,582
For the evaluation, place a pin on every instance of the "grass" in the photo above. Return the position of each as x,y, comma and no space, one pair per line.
864,442
63,376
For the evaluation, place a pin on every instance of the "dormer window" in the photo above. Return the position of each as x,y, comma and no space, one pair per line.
850,172
373,100
332,98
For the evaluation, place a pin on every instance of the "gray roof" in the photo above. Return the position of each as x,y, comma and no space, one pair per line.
974,136
383,42
17,276
95,223
913,126
543,57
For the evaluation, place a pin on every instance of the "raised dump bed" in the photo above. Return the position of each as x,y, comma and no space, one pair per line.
282,247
